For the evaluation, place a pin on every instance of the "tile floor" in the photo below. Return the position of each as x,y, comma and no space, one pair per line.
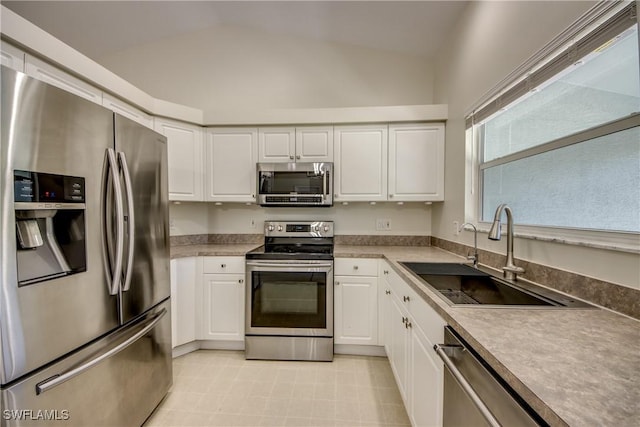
221,388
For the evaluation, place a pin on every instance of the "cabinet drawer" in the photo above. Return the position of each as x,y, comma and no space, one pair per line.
356,267
223,264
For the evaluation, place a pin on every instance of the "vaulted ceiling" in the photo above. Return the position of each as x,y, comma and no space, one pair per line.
101,28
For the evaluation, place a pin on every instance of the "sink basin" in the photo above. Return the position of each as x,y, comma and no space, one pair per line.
461,284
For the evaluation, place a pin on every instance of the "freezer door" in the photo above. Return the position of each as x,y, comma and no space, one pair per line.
45,129
117,381
142,154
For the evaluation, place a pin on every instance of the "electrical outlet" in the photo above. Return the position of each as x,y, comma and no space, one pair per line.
456,228
252,223
383,224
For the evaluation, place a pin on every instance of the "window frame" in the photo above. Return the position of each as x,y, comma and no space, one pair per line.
515,87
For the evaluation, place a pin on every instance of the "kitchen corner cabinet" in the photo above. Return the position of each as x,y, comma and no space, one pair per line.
185,153
416,162
295,144
47,73
184,275
360,163
230,164
222,299
356,301
411,328
11,56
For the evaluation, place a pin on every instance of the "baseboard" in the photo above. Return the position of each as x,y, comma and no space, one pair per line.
359,350
183,349
221,345
350,349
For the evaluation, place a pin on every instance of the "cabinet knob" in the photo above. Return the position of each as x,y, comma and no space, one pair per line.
406,298
391,196
241,281
223,265
291,157
404,320
337,283
253,196
386,271
388,292
298,157
407,324
355,267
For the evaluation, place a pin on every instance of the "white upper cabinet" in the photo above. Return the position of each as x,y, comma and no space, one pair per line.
277,145
185,153
230,164
360,157
12,57
299,144
129,111
416,162
314,144
47,73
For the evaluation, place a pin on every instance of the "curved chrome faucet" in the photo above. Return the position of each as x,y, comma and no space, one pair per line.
474,256
511,271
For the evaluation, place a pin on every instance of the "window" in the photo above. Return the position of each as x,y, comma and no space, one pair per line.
561,146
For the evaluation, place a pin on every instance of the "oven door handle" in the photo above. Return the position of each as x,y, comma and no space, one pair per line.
297,264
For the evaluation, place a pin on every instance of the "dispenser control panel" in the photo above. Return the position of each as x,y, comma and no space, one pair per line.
38,187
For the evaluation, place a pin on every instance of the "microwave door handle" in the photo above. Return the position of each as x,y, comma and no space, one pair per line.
131,220
113,269
325,178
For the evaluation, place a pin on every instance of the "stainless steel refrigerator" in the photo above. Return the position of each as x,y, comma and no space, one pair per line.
85,320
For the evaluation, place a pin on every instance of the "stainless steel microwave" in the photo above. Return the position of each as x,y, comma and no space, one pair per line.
295,184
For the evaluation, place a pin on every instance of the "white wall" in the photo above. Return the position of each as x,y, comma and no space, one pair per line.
355,218
491,40
238,68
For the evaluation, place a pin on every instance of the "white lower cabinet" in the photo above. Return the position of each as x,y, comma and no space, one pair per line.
410,328
222,303
356,301
183,300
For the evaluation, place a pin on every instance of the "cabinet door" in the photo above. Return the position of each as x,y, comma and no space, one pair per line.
356,310
183,300
360,157
223,309
47,73
185,157
416,162
426,382
399,340
11,56
276,145
118,106
314,144
231,165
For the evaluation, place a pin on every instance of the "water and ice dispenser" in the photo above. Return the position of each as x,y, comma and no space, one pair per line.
50,225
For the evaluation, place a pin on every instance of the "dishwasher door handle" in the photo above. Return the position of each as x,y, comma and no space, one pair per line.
455,372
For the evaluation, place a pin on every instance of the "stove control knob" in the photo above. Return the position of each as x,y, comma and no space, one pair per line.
316,228
326,228
271,228
279,228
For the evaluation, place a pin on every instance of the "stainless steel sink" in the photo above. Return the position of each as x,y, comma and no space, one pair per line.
463,285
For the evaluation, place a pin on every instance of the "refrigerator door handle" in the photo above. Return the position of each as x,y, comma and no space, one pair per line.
131,220
110,176
58,379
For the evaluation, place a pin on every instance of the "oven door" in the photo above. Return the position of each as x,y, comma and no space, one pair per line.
289,298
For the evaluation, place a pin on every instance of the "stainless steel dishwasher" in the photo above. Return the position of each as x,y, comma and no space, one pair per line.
474,395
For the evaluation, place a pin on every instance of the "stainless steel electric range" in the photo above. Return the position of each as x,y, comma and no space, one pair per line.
289,298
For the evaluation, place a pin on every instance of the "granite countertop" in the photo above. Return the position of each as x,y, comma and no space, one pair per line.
577,367
229,249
